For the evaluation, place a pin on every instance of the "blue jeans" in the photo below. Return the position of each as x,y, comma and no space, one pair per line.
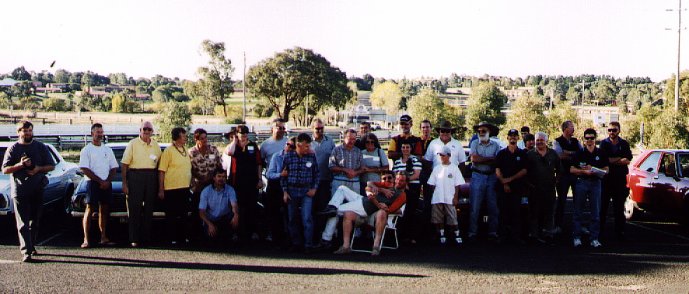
587,188
483,188
300,204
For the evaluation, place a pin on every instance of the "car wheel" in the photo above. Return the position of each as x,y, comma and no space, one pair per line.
629,208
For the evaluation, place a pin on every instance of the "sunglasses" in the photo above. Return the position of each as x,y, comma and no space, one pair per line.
147,129
441,154
589,138
404,124
386,178
445,131
482,131
612,130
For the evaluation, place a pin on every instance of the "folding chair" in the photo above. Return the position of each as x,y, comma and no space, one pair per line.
390,226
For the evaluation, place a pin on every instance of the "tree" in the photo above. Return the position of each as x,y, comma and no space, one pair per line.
20,74
527,111
427,105
286,79
5,100
172,115
119,103
61,76
485,104
669,130
387,95
561,113
218,74
683,90
55,104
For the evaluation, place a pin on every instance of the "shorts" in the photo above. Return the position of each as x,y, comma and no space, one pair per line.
442,212
95,195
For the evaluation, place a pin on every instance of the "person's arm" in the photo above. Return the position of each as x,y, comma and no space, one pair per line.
259,163
8,167
397,204
235,214
89,173
393,153
161,184
125,188
273,173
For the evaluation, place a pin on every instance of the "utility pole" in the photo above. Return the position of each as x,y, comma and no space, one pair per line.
244,89
679,42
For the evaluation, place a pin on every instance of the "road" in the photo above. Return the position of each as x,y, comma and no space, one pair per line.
655,258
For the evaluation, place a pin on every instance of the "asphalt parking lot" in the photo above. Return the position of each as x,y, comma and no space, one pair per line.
654,258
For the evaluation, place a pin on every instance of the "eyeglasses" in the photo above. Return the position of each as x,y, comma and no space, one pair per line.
147,129
445,131
406,147
387,178
612,130
589,138
441,154
482,131
318,129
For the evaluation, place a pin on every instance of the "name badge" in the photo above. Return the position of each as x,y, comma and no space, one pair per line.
597,158
153,157
449,176
376,159
211,157
308,164
250,148
518,158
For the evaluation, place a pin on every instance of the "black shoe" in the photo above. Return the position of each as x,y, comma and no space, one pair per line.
329,211
27,258
34,253
309,250
294,248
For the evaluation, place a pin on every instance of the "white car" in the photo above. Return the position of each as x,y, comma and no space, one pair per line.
60,186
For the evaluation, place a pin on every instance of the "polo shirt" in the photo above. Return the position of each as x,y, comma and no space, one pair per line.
217,203
510,163
541,171
396,145
376,158
341,157
412,162
445,178
99,159
621,149
177,167
597,158
138,154
457,155
270,147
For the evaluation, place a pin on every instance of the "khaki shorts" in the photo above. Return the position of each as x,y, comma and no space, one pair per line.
441,212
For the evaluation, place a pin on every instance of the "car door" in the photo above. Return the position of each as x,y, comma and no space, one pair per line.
666,185
55,189
642,177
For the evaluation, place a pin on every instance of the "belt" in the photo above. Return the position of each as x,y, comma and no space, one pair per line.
143,169
482,172
298,185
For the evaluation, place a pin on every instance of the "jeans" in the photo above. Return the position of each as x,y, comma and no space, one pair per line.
300,205
566,182
587,188
483,188
28,205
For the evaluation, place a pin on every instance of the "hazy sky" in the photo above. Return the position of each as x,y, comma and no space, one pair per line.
390,39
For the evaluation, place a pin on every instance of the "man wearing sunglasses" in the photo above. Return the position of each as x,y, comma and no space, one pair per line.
588,186
322,146
615,183
394,150
275,143
364,130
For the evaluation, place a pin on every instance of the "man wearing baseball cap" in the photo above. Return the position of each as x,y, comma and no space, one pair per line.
510,168
394,149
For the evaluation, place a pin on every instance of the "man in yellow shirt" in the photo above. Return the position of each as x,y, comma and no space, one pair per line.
174,179
140,182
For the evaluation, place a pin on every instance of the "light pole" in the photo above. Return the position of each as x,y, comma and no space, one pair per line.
679,43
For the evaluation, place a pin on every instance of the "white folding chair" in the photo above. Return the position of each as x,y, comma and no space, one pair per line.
390,226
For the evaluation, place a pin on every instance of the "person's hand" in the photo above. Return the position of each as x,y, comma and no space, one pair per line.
235,221
383,207
285,197
386,192
125,189
26,161
161,194
259,185
624,161
32,171
284,173
311,193
212,230
104,185
455,201
507,188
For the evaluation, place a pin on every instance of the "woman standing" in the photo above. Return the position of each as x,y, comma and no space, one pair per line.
412,166
375,161
205,159
174,178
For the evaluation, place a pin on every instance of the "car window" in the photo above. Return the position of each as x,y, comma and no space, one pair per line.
650,163
54,156
683,159
667,166
2,156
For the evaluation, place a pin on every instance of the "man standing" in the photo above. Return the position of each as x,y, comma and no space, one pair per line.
140,182
565,146
364,130
99,164
542,169
525,130
615,183
346,163
427,165
274,144
27,161
394,150
529,142
299,188
483,180
322,146
510,168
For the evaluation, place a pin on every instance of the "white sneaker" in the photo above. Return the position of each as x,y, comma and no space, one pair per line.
577,242
596,244
443,240
458,240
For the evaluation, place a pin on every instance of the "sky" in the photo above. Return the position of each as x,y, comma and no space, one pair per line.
390,39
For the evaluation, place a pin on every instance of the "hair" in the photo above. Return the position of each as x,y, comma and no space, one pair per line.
372,137
95,126
525,129
219,171
276,121
293,141
177,132
590,131
303,138
616,123
243,129
541,135
349,131
24,124
565,124
386,172
366,123
198,132
316,121
529,137
425,121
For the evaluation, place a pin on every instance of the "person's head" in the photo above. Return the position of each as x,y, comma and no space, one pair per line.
242,134
370,141
291,144
541,141
445,131
278,128
529,141
201,137
146,130
483,134
400,180
567,128
25,131
485,130
426,128
318,128
97,133
512,137
349,137
405,124
406,149
364,128
445,155
525,130
614,130
179,136
387,177
219,177
590,137
303,144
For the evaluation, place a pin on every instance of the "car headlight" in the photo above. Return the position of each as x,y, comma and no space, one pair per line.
4,201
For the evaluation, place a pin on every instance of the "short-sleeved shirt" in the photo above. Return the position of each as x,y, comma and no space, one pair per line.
271,146
396,143
413,162
445,178
375,158
99,159
457,155
622,150
323,149
597,158
489,150
510,163
341,157
203,165
394,203
139,155
560,145
245,163
541,171
217,203
177,167
39,155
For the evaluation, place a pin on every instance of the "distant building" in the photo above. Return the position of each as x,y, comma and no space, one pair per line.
8,82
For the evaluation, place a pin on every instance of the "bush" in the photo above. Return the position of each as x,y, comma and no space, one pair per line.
169,116
55,104
234,113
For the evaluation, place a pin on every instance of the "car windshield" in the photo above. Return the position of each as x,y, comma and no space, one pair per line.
683,159
2,155
118,155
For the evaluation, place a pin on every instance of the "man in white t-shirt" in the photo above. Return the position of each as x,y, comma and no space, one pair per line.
446,180
445,139
99,164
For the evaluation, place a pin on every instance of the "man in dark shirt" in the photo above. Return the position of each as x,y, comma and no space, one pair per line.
510,168
27,161
543,167
395,148
615,183
587,162
565,146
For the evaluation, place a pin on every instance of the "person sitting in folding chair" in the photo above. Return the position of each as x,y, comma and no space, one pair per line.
381,197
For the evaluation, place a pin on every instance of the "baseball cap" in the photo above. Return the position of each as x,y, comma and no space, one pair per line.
445,151
513,132
405,118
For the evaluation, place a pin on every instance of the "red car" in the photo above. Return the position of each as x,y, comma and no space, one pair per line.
658,181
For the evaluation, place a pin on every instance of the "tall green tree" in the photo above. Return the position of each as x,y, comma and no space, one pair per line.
387,95
20,74
286,79
485,104
217,75
669,130
172,115
527,111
